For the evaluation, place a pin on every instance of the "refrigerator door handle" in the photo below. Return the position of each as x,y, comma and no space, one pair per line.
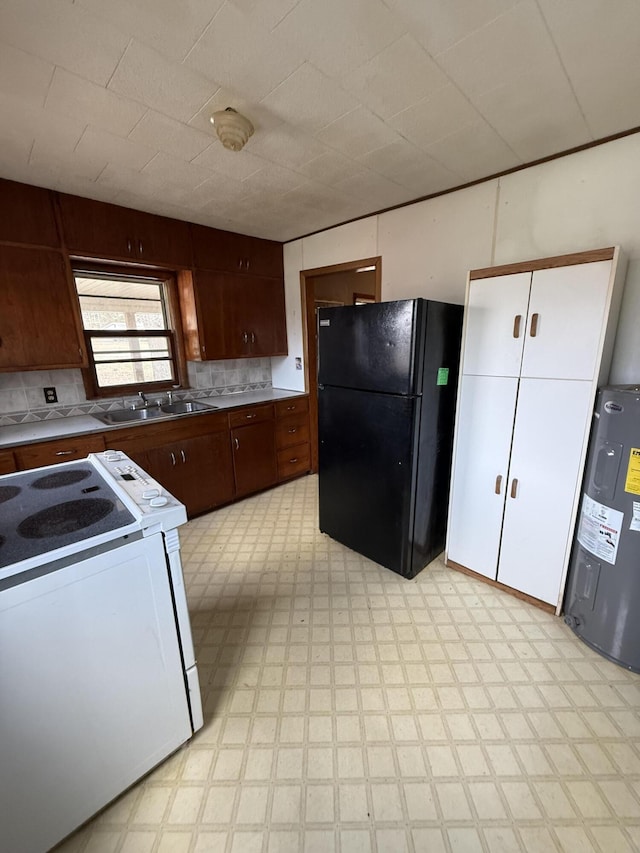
498,488
516,325
514,487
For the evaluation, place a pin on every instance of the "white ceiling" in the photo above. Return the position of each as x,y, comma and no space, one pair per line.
358,105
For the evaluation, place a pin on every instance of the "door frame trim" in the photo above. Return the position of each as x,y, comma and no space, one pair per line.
309,340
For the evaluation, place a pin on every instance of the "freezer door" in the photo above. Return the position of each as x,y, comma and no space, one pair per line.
366,473
372,347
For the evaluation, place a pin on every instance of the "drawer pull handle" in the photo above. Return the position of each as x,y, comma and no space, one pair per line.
64,452
295,459
249,417
293,429
291,408
498,484
183,455
173,458
514,487
516,325
534,325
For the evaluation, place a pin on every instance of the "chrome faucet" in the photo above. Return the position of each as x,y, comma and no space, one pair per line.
145,402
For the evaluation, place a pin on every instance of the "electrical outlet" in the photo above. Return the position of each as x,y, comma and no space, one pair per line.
50,395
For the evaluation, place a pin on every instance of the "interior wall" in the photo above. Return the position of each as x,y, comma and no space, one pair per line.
582,201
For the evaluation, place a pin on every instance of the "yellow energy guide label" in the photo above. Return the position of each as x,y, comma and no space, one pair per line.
632,483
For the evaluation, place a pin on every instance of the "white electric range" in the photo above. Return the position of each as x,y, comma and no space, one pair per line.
98,678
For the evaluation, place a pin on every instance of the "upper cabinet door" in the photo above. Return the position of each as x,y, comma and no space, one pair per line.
96,229
27,215
495,323
106,231
39,320
565,323
236,253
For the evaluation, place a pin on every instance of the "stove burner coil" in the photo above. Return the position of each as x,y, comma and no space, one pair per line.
65,518
8,492
61,478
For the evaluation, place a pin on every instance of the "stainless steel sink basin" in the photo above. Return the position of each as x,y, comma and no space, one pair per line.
124,416
179,407
185,407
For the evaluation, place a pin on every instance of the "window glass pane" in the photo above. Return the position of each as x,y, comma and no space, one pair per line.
134,373
106,349
110,304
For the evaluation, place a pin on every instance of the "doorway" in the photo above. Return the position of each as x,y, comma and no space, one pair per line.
351,283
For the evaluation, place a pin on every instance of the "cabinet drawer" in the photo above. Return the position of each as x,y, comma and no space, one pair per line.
64,450
250,415
293,430
294,460
289,407
7,462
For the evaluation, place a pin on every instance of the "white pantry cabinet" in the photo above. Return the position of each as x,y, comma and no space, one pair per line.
536,345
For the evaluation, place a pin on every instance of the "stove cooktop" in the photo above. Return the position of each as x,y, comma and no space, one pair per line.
42,510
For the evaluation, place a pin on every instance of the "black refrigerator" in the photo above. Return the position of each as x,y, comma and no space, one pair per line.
387,379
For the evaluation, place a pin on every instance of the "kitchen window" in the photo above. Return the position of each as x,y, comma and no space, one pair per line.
130,332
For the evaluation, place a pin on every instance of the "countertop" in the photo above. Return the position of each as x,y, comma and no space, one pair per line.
11,436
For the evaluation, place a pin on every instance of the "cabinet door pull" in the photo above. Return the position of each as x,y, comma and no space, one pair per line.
203,349
534,325
516,325
64,452
245,337
253,338
239,263
498,488
293,429
237,443
173,457
140,246
514,487
129,246
183,455
246,263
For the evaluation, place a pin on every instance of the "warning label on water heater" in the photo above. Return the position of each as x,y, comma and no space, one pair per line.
632,483
599,530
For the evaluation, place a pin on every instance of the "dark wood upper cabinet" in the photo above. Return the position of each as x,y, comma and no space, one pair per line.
27,215
228,316
110,232
39,320
236,253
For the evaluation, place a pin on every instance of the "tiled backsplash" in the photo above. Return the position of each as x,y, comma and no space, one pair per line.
22,395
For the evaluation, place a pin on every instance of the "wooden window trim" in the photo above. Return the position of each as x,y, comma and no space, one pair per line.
174,332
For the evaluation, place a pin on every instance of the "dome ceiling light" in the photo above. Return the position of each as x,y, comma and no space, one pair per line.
233,129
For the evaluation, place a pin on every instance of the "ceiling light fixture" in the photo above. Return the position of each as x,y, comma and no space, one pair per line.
232,128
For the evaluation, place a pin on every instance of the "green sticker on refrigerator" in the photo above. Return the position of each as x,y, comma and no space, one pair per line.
443,376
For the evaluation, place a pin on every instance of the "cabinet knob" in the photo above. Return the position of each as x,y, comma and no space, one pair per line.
533,331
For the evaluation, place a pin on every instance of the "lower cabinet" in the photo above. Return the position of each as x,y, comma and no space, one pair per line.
254,449
518,462
205,461
7,462
60,450
292,438
189,458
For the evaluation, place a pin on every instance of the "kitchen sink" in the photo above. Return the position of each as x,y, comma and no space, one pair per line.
151,413
185,407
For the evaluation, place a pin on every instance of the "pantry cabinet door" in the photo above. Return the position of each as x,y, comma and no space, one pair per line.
483,441
495,320
552,420
565,325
